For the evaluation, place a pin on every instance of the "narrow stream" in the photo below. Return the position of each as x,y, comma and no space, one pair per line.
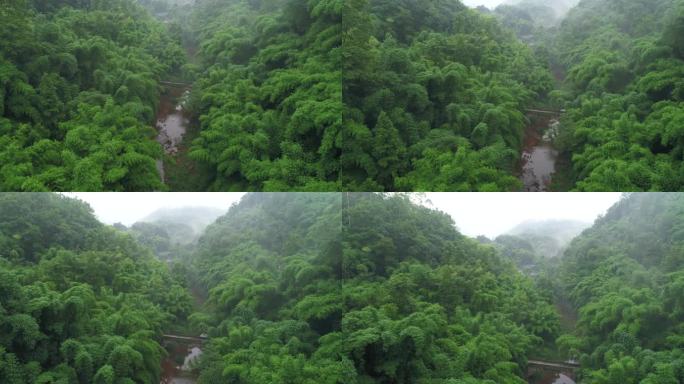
177,367
538,161
552,378
172,122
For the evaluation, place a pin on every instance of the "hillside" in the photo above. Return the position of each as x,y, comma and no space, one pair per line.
435,306
271,266
549,237
294,295
328,288
197,218
87,88
625,276
79,86
434,97
533,13
79,302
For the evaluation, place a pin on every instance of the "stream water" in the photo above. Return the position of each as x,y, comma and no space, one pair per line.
177,366
552,378
172,122
538,161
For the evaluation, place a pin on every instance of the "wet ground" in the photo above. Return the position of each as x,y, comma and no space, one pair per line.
172,122
552,378
177,366
538,161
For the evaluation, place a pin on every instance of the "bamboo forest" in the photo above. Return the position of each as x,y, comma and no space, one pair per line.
154,95
328,288
341,95
336,191
531,95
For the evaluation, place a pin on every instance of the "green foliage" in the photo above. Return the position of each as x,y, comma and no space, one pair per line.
79,302
78,87
434,306
625,276
624,73
327,288
49,220
172,233
271,266
270,94
519,250
433,97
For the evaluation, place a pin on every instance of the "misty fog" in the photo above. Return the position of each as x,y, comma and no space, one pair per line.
474,213
128,208
493,214
560,6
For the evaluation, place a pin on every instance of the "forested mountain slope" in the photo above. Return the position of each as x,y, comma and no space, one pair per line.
549,237
626,277
531,18
270,93
79,301
197,218
79,88
78,94
435,306
625,89
272,268
327,288
172,232
434,96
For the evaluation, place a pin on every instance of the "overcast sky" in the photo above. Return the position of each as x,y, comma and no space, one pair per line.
492,214
491,4
489,214
129,207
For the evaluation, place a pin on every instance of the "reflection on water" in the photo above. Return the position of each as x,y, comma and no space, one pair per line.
562,379
538,162
548,377
175,373
172,122
191,359
160,169
181,380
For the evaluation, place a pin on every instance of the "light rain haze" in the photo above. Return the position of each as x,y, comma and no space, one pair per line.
493,214
127,208
491,4
489,214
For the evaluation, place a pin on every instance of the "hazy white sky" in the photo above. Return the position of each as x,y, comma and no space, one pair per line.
127,208
491,4
492,214
489,214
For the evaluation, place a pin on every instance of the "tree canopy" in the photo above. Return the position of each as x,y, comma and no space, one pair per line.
327,288
340,288
334,95
625,277
624,94
434,96
269,96
79,302
78,93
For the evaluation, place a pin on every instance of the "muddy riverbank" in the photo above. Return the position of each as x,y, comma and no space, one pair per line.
172,121
538,160
551,378
178,366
